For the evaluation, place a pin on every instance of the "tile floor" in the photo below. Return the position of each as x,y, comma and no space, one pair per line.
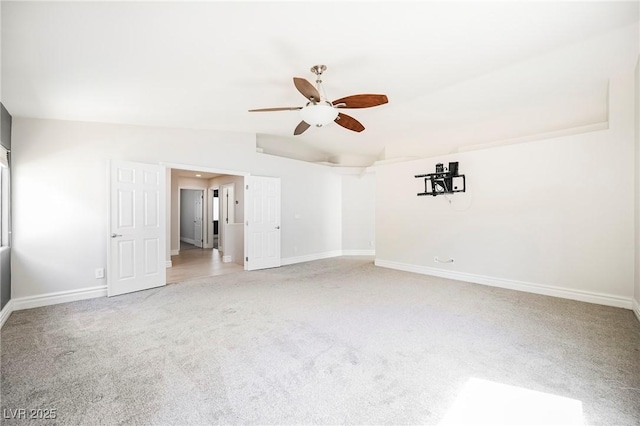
194,262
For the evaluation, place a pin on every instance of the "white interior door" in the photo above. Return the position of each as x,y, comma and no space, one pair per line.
263,223
197,220
137,238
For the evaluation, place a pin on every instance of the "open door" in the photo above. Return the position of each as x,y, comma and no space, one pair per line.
137,240
198,237
263,223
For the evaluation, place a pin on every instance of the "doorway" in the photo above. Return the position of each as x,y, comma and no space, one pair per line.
191,218
215,215
211,257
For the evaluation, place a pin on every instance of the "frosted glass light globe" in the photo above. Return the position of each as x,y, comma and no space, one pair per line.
318,114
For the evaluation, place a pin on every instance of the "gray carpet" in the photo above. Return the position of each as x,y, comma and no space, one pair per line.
328,342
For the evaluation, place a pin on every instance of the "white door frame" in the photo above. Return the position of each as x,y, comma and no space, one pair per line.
210,231
170,165
230,218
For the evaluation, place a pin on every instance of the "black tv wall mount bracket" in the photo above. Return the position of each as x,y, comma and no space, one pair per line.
443,181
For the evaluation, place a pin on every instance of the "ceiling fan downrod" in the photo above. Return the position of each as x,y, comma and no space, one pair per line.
318,70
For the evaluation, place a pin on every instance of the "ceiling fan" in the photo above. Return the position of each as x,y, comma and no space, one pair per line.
319,111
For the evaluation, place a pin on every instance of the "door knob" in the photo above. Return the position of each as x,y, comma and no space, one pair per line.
116,235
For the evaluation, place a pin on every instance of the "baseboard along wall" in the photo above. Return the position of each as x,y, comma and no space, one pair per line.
47,299
564,293
636,309
358,252
20,303
310,257
325,255
6,312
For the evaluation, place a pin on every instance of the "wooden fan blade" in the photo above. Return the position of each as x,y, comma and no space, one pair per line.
307,89
275,109
361,101
301,128
349,122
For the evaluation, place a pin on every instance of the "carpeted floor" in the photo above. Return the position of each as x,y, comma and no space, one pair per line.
328,342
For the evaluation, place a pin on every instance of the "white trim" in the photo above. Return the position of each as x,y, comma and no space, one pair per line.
358,252
636,309
168,264
58,297
310,257
227,259
565,293
188,241
540,136
203,169
175,252
6,312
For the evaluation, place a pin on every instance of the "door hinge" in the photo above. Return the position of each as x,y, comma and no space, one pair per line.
247,259
247,186
247,223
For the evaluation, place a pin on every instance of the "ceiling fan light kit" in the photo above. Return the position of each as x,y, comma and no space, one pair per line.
320,112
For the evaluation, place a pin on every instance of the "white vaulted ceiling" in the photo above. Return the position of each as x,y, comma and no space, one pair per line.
456,73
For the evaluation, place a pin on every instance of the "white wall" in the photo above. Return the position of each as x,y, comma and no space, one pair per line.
238,191
557,212
60,189
358,213
238,211
637,186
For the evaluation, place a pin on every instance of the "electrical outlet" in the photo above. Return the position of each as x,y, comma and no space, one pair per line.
99,273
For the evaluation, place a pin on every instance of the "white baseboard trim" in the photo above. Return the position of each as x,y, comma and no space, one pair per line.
168,264
227,259
310,257
175,252
6,312
636,309
358,252
188,241
58,297
565,293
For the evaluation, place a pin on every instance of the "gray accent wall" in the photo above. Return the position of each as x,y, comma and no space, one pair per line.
5,252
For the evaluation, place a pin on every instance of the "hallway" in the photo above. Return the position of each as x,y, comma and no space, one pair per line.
194,262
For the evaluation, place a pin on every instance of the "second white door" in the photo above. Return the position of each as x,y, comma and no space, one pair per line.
263,224
197,220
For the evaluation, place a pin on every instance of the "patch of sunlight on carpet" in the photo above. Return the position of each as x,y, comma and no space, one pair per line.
482,402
